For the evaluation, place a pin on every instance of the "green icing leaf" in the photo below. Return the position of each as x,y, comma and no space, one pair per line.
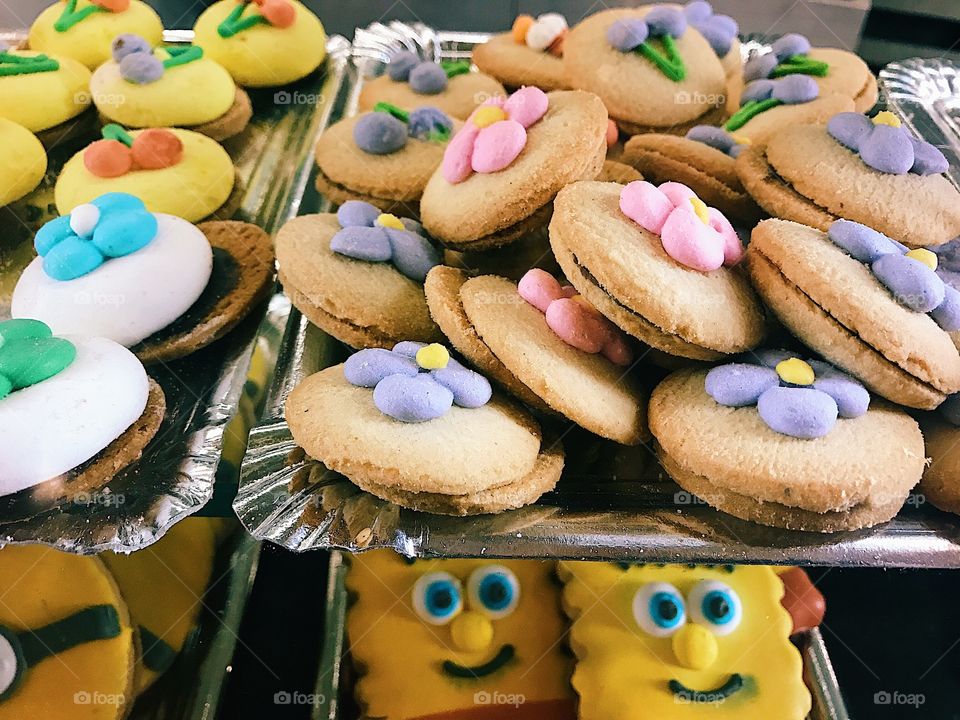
29,354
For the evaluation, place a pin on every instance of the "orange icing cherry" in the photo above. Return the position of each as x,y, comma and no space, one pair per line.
278,13
113,5
156,148
556,47
520,27
108,158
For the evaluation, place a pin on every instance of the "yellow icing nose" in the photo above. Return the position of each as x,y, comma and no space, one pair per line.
700,208
886,118
390,221
796,372
695,647
488,115
741,139
433,357
925,256
471,631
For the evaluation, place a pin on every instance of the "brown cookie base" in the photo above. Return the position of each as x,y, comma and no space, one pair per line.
233,122
83,125
940,484
531,224
716,116
339,194
242,277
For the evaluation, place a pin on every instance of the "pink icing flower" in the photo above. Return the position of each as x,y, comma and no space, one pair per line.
693,234
573,320
494,134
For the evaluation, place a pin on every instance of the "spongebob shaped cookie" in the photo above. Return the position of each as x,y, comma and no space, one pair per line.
678,642
466,639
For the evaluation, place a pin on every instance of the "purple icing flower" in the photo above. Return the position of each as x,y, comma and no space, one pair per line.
385,130
789,90
127,44
885,145
716,137
911,276
719,30
628,34
416,382
787,56
372,236
793,397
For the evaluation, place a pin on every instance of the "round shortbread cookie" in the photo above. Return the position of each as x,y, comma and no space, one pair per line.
463,94
941,480
512,261
761,127
634,90
567,144
462,452
716,311
375,298
515,64
616,171
846,291
874,459
584,387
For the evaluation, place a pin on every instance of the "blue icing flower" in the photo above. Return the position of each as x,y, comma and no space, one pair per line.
385,130
372,236
885,145
425,77
798,398
416,382
719,30
911,276
717,138
111,226
629,34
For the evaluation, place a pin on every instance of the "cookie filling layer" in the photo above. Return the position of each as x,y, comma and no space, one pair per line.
322,177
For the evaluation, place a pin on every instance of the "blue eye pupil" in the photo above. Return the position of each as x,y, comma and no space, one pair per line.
717,608
441,598
496,592
665,610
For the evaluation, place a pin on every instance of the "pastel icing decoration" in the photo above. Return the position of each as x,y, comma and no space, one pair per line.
545,33
385,130
662,23
574,320
425,77
112,295
787,56
884,144
72,415
118,152
693,234
762,95
71,15
494,134
416,382
372,236
278,13
910,275
29,354
798,398
719,30
11,64
139,65
719,139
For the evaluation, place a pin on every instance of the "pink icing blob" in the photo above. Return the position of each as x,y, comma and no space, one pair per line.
458,156
498,145
688,241
643,203
527,105
572,319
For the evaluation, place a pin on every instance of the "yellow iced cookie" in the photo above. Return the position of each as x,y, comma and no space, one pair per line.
40,91
677,642
66,644
442,638
23,161
178,172
167,87
163,585
266,44
84,29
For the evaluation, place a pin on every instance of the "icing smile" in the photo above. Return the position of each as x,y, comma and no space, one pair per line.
733,685
504,656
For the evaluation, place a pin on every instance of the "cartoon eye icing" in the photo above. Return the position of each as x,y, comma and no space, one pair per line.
715,606
437,598
659,609
493,590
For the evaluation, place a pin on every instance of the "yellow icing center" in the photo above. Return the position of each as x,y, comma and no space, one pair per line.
433,357
796,372
886,118
488,115
471,632
695,647
700,208
925,256
389,221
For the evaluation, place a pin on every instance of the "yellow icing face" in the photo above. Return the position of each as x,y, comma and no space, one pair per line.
675,642
23,161
263,55
42,100
88,41
469,633
190,94
192,189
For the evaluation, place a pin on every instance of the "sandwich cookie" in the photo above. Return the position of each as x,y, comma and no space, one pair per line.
530,54
720,31
413,426
548,341
658,262
502,170
177,86
94,265
805,173
614,52
788,442
262,43
939,485
176,172
23,161
84,29
358,275
865,303
449,86
384,157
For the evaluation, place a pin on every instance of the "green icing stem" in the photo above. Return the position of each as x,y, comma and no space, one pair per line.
670,65
112,131
70,17
182,55
800,65
401,115
455,67
751,109
11,64
440,134
234,23
158,655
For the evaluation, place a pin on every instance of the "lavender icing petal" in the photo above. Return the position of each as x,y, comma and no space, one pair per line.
413,255
628,34
401,63
789,45
412,399
851,397
849,129
927,159
795,89
862,242
760,67
368,367
470,389
739,384
805,413
715,137
362,243
947,313
913,284
356,213
757,90
408,348
888,150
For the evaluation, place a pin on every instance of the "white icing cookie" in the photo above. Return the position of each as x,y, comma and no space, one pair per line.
126,299
51,427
